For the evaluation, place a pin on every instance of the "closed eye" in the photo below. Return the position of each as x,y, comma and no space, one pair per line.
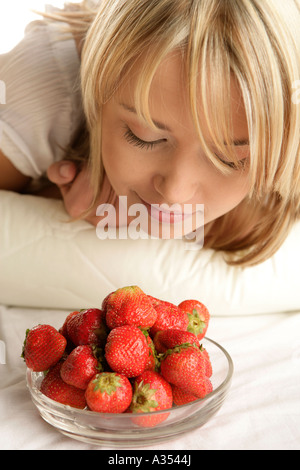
137,142
235,166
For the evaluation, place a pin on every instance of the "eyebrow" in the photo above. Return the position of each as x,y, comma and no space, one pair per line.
131,109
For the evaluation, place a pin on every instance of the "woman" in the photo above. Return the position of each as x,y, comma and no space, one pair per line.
184,102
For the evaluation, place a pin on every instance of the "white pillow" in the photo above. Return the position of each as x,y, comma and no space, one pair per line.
46,262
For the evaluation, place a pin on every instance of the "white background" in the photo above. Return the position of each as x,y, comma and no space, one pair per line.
15,15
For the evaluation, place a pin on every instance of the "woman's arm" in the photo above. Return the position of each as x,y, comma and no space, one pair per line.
11,179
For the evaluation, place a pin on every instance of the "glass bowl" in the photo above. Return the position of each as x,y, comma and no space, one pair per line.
122,430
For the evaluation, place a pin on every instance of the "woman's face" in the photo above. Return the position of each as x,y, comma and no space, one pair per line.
168,166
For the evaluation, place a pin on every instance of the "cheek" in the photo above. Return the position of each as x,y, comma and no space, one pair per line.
123,167
110,155
115,158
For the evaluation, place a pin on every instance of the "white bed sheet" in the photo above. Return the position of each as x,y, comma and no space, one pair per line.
262,410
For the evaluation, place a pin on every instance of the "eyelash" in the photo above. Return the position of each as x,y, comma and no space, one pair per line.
239,166
137,142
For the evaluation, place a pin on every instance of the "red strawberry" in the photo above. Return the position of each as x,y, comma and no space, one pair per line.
208,366
151,393
64,329
80,367
169,316
180,397
105,300
87,327
127,350
43,347
209,386
154,300
198,317
55,388
168,339
109,392
129,306
185,367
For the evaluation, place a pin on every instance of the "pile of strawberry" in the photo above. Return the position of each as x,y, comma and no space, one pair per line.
136,354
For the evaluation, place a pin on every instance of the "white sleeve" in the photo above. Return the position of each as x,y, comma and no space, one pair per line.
42,104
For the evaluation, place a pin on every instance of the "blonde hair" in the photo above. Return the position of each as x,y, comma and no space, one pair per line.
257,42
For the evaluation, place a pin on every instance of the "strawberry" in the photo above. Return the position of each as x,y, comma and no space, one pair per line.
43,347
80,367
154,300
109,392
185,367
168,339
64,331
198,317
87,327
104,302
129,306
127,350
55,388
208,366
181,397
151,392
209,386
169,316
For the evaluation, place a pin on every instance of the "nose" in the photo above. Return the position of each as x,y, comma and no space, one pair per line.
178,179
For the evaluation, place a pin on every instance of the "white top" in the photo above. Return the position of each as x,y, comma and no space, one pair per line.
42,105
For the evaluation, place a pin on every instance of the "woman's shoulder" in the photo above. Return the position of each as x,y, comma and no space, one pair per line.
43,98
55,48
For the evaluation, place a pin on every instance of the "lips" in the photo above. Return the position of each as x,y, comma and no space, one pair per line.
164,215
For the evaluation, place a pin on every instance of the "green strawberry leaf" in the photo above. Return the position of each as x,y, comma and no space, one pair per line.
24,344
175,350
142,400
107,382
196,325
